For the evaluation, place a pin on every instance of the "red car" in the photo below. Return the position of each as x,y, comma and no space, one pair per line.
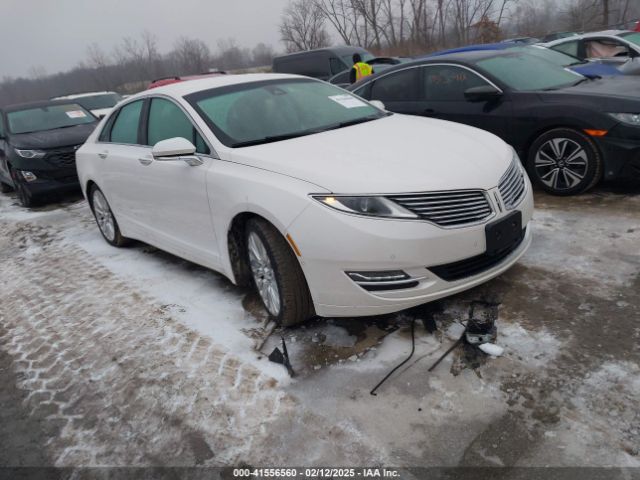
161,82
638,26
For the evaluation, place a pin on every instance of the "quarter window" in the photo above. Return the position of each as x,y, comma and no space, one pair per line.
570,48
167,120
400,86
445,83
125,127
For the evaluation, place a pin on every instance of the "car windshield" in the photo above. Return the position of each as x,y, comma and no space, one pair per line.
95,102
633,37
273,110
522,71
47,117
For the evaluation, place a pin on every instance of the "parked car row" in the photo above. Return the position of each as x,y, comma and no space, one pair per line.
338,202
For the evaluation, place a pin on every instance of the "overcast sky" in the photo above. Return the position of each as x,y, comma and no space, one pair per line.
54,34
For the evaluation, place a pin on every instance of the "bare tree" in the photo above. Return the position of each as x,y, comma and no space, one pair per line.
302,26
191,55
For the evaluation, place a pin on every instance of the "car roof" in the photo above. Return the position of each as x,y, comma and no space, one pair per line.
180,89
344,49
573,38
81,95
38,104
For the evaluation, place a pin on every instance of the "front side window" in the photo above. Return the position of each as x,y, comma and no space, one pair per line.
336,65
528,73
605,48
446,83
399,86
273,110
48,117
167,120
125,127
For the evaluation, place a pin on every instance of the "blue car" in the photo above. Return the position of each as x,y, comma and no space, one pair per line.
589,69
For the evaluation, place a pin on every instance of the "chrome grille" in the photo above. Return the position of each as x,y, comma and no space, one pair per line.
448,209
512,186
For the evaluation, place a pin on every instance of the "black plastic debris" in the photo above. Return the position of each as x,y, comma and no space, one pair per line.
282,357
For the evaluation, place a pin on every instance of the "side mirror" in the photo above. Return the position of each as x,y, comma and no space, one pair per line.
176,148
377,104
482,94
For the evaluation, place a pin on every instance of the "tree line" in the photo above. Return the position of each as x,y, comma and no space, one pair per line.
131,65
410,27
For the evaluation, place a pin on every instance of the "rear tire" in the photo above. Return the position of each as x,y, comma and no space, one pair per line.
277,275
564,162
25,197
105,219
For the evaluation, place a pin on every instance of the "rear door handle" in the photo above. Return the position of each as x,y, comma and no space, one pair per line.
429,111
145,160
104,154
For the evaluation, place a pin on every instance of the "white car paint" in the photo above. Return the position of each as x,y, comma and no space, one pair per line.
611,35
188,210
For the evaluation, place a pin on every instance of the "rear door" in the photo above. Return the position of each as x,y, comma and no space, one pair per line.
119,148
443,87
398,90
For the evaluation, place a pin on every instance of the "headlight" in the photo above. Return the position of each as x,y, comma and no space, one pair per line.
628,118
370,206
30,153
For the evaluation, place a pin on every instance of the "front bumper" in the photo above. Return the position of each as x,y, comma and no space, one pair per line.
354,243
621,151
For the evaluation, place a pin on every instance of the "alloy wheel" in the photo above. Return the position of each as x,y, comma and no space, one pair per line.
561,163
104,217
263,274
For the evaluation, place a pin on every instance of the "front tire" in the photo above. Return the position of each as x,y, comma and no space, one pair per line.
105,219
4,188
564,161
277,275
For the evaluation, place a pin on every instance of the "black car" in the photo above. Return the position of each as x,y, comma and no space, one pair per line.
321,63
38,143
570,131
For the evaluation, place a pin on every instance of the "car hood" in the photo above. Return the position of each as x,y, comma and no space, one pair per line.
613,94
59,137
394,154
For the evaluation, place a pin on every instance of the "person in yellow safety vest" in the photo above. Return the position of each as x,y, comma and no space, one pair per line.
360,69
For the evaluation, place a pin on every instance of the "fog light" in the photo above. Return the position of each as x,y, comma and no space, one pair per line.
384,280
28,176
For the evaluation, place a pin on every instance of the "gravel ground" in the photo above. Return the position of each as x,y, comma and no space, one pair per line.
133,357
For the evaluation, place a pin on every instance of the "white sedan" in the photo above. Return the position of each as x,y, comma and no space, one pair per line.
328,204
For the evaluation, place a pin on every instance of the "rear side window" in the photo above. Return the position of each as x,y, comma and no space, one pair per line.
336,65
125,127
570,48
400,86
444,83
167,120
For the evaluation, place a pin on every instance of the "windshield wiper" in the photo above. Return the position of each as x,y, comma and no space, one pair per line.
582,80
288,136
272,138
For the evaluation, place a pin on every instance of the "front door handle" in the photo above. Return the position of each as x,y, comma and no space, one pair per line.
104,154
145,160
429,111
